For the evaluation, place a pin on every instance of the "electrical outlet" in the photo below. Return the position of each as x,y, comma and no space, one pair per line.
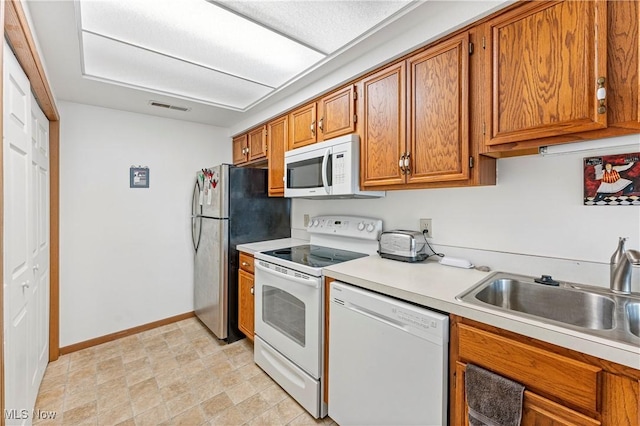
426,225
306,220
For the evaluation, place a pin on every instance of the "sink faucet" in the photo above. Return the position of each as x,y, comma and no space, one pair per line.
620,268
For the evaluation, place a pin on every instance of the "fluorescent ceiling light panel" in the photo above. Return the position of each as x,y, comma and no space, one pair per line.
230,54
127,65
200,33
324,25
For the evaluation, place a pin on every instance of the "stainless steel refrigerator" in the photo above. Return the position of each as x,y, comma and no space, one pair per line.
230,206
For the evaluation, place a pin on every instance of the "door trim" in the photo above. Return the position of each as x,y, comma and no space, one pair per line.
19,36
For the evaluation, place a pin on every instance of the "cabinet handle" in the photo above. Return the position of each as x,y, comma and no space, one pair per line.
407,163
25,284
252,290
320,124
36,267
601,95
401,164
245,264
313,128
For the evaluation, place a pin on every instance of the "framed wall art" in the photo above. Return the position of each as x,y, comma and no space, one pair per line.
612,180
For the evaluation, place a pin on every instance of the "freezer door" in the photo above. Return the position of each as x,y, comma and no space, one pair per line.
215,192
211,285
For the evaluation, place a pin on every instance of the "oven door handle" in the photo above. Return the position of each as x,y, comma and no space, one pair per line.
287,277
325,163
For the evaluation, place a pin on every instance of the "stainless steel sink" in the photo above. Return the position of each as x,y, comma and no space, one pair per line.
591,310
554,303
633,317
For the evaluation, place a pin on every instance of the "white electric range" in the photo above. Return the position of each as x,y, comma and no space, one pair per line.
289,300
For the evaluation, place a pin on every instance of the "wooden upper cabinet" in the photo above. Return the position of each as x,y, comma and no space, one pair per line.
240,149
543,63
438,93
337,114
277,141
383,128
302,126
257,141
623,64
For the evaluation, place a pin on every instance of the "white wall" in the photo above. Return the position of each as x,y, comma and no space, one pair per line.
536,209
125,254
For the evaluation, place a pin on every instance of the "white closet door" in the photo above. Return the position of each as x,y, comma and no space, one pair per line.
26,243
39,247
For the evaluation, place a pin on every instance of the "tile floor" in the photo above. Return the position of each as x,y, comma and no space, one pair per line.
179,374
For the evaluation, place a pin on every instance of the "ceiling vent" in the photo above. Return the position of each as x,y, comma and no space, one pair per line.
167,106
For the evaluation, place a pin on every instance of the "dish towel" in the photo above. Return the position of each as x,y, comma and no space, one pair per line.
492,399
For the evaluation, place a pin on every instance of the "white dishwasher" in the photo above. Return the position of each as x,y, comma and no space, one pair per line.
387,360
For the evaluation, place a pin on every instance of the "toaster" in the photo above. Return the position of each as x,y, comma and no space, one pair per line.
406,246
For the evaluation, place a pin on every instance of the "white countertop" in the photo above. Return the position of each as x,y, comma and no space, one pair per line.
436,286
253,248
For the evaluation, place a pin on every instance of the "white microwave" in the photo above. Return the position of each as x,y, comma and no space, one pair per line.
328,169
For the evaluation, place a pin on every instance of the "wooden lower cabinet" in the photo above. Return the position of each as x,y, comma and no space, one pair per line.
246,302
562,387
536,410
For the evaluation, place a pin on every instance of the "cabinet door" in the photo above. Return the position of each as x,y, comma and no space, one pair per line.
536,410
623,50
383,127
302,126
277,140
337,114
543,63
257,142
240,149
245,303
439,112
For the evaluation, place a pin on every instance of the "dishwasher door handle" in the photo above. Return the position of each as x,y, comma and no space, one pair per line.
376,316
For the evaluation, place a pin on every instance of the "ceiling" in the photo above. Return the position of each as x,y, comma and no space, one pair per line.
215,59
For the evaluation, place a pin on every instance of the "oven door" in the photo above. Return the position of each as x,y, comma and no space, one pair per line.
309,174
288,314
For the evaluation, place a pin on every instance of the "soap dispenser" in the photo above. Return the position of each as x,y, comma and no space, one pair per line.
617,257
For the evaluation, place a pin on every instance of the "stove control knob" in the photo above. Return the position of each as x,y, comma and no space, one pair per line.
370,227
314,222
361,226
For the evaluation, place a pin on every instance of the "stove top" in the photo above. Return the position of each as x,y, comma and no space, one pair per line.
314,256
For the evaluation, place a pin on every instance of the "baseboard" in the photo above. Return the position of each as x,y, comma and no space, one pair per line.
124,333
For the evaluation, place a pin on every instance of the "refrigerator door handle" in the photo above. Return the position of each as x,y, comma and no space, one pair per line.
196,220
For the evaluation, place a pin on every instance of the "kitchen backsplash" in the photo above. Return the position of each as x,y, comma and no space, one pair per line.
532,222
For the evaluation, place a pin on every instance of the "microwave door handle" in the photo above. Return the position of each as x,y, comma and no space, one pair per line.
325,163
